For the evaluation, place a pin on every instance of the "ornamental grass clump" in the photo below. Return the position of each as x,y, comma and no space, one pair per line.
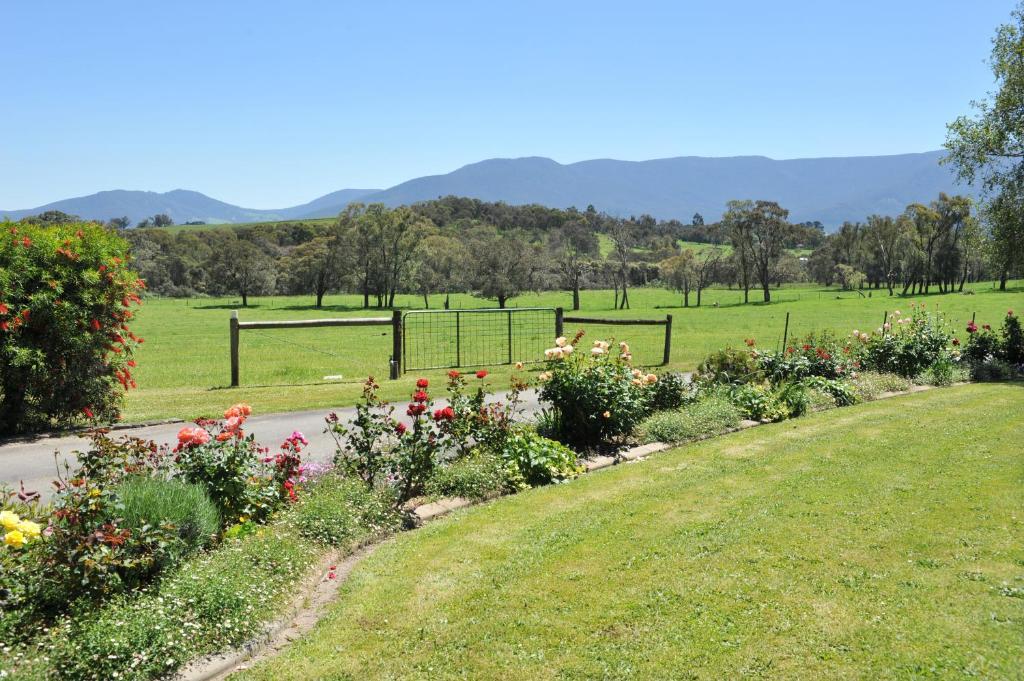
596,395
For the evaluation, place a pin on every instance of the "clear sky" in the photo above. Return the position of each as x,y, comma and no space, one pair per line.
269,104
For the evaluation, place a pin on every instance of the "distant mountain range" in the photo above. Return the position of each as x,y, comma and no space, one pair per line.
830,190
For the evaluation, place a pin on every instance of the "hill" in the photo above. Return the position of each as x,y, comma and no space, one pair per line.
827,189
181,204
830,190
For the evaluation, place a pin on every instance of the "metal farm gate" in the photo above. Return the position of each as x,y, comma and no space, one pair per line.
441,339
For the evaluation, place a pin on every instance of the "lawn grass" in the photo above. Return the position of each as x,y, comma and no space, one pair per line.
879,541
184,364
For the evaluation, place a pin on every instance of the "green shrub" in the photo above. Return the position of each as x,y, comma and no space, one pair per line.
868,385
477,476
339,511
729,367
186,506
907,345
671,391
943,373
595,395
65,348
538,459
759,402
703,418
842,392
993,369
795,396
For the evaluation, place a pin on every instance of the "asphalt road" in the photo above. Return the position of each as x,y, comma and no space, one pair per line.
35,460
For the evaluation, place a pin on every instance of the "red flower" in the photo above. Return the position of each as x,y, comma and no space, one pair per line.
749,342
446,414
3,308
24,314
131,362
806,347
4,326
95,323
87,411
482,373
422,383
987,327
416,408
400,428
453,374
972,327
419,396
1009,313
956,341
26,242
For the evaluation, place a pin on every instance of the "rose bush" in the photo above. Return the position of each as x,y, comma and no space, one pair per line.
66,349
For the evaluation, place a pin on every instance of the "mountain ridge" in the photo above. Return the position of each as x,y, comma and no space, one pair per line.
828,189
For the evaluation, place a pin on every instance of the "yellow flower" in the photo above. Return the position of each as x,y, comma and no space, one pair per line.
29,528
519,365
243,518
607,414
14,538
9,520
94,492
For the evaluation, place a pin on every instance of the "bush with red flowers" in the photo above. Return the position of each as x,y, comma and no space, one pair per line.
66,348
995,355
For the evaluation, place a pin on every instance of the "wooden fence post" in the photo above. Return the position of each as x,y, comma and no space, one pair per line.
785,333
396,344
234,348
559,322
668,340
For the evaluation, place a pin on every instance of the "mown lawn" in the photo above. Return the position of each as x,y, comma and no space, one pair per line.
184,364
879,541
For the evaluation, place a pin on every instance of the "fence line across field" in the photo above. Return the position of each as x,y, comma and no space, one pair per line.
443,339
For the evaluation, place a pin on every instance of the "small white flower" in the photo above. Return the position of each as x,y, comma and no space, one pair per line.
567,350
560,341
596,351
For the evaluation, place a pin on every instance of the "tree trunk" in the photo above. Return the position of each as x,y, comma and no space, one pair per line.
625,298
447,299
366,297
767,292
501,302
1002,279
245,299
426,301
576,297
699,290
319,299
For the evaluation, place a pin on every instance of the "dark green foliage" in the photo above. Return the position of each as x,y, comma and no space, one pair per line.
759,402
841,391
539,460
729,366
671,391
65,348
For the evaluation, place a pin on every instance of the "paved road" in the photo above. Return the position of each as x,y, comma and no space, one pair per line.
32,460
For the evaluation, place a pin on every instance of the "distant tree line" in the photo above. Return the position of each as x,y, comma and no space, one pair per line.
498,251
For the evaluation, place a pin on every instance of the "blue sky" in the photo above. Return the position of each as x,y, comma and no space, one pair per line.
268,104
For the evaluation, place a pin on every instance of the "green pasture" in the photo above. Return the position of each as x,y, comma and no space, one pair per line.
184,366
880,541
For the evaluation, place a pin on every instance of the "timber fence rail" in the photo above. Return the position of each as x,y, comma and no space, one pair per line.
561,320
394,321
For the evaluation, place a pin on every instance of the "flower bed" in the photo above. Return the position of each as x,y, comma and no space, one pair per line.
148,557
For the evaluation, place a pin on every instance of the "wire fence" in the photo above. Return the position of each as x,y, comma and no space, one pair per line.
438,339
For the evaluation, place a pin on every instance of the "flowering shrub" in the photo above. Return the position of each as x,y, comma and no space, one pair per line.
65,344
243,480
995,356
906,345
729,367
818,354
597,395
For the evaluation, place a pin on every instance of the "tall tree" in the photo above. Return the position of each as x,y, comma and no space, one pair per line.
316,267
738,227
990,146
439,267
624,238
241,267
573,248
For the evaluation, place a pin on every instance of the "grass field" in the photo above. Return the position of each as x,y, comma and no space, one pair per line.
184,364
880,541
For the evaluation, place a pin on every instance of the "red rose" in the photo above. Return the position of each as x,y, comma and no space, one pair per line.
3,308
482,373
87,411
453,374
422,383
400,429
95,323
419,396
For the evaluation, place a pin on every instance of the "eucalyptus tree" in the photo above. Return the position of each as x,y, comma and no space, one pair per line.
573,248
990,147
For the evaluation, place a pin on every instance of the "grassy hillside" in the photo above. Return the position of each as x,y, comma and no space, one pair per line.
184,363
880,541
